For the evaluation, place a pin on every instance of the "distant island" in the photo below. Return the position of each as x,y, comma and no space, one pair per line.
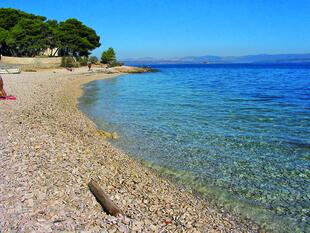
209,59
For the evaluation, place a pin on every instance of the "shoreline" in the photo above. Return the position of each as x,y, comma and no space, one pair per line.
51,150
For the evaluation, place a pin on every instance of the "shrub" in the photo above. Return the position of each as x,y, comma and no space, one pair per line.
93,59
69,62
83,61
116,63
108,57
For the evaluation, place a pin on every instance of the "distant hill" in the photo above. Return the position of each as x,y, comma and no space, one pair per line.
260,58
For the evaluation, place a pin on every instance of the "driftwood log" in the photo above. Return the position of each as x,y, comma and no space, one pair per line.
104,199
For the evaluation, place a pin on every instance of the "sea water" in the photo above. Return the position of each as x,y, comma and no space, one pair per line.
237,134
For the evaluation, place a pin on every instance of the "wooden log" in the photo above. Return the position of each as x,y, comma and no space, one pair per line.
103,199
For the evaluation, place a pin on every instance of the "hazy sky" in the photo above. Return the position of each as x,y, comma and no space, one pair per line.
172,28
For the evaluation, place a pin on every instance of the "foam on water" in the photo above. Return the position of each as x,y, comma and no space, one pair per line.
238,133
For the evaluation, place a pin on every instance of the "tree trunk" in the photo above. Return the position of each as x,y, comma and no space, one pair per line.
55,52
13,52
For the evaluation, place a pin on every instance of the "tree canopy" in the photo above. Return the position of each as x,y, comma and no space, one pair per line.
77,39
10,17
23,34
28,37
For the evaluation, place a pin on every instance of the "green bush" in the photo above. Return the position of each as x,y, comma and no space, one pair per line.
69,62
115,63
93,59
108,57
83,61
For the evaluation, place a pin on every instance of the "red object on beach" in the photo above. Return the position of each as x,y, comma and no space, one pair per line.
10,97
3,95
167,222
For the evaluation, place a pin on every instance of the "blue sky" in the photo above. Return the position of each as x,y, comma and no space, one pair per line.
174,28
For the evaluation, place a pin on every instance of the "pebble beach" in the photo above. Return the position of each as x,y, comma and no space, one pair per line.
49,152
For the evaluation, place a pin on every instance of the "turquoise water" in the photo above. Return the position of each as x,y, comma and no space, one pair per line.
238,134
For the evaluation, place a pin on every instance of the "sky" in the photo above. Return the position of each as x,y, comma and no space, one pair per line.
177,28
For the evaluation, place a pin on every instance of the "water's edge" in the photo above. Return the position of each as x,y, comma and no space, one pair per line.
214,195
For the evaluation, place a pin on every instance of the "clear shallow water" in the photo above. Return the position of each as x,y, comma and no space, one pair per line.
237,133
